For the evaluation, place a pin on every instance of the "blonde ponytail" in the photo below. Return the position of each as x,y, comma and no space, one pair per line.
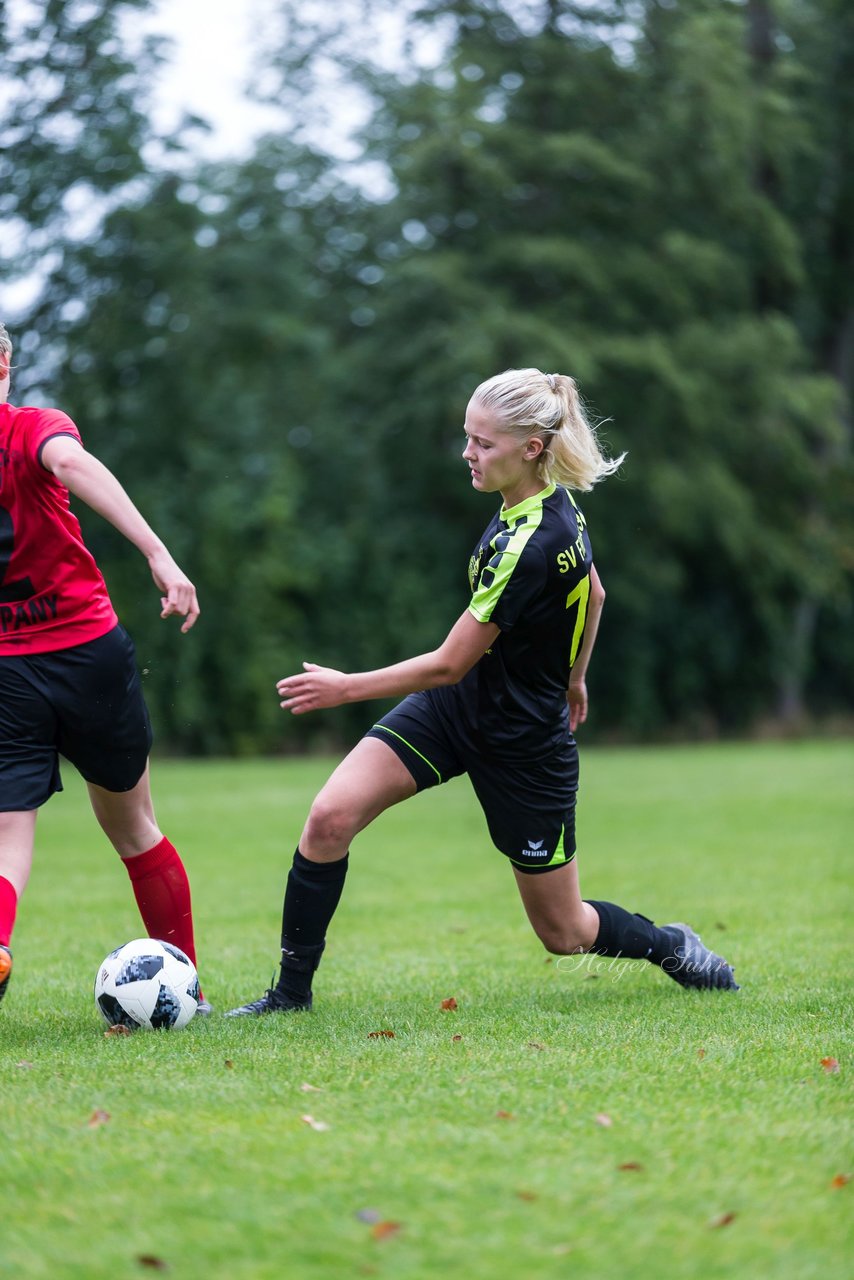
527,402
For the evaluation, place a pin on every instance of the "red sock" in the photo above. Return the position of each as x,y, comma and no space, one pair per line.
162,893
8,910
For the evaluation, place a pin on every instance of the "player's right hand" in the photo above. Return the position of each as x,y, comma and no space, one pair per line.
314,690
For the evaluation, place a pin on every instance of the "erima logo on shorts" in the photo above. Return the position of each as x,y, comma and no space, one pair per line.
536,850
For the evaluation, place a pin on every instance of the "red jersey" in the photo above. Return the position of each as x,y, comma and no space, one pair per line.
52,594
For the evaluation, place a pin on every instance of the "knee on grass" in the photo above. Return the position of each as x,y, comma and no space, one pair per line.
562,938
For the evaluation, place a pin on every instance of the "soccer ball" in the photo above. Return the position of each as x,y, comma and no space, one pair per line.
147,983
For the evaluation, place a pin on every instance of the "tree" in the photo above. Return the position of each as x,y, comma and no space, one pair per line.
276,354
189,370
560,205
75,127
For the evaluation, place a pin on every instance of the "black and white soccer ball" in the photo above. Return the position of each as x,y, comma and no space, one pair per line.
147,983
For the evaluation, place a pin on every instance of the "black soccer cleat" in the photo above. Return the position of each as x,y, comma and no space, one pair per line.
5,969
693,965
272,1001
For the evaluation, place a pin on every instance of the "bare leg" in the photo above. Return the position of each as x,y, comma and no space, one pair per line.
367,781
560,919
158,876
565,925
17,834
127,817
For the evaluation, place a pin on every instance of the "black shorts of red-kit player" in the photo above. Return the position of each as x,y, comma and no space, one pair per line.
84,703
312,894
631,936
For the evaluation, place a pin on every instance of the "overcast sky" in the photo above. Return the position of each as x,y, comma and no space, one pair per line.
211,63
216,43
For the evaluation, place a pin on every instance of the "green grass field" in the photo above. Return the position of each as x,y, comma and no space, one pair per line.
587,1119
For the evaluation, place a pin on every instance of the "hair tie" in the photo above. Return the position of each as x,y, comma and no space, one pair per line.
550,379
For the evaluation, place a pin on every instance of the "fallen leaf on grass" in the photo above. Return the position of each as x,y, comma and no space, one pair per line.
155,1263
722,1220
310,1088
504,1115
534,1044
97,1118
720,925
526,1195
630,1166
591,975
701,1053
117,1030
229,1063
831,1066
319,1126
456,1037
840,1180
604,1120
450,1003
378,1035
385,1230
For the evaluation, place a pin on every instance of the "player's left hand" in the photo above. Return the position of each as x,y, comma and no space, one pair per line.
317,688
179,594
576,696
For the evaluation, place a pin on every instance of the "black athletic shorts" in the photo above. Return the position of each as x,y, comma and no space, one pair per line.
85,703
529,805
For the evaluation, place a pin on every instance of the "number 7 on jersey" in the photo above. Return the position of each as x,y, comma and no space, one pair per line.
579,595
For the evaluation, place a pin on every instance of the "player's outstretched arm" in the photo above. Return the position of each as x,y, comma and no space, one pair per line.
92,482
319,687
576,695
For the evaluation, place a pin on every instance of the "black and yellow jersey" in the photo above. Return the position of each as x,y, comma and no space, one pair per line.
530,575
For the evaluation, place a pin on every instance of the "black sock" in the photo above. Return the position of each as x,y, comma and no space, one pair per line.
632,936
311,896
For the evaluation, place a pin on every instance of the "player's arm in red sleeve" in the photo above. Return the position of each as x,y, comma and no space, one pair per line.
319,687
576,695
92,482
